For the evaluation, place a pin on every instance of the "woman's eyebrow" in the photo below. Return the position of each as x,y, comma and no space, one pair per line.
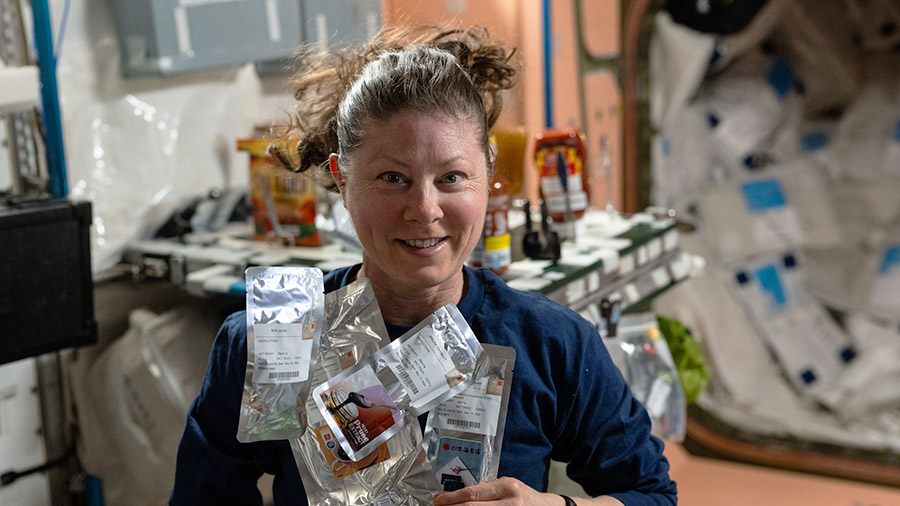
389,158
449,161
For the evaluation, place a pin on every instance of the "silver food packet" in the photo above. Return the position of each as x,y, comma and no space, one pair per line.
464,434
367,404
284,316
396,472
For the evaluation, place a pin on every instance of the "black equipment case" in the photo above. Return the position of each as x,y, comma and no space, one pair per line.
46,289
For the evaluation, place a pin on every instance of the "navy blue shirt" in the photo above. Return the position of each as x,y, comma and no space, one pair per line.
568,402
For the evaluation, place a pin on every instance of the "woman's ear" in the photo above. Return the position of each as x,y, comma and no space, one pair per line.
336,173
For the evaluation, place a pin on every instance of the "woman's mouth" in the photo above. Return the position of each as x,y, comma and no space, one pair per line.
422,243
423,246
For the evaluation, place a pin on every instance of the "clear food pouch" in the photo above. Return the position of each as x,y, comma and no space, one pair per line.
396,472
643,356
463,434
353,329
366,404
284,316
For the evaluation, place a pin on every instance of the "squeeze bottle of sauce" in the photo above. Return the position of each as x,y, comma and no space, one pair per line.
497,253
554,151
493,249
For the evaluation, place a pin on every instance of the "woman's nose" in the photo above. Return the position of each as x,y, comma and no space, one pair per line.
423,204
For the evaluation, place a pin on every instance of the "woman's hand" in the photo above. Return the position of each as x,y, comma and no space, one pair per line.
500,492
511,492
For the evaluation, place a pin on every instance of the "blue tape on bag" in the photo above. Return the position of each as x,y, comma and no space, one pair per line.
238,288
814,141
781,77
763,195
771,283
890,260
897,133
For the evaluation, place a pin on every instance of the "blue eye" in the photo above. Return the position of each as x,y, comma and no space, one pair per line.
391,177
451,178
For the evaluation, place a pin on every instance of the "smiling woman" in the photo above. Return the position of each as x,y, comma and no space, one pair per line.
401,128
411,157
417,194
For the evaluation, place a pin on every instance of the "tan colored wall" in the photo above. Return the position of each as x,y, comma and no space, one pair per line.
520,24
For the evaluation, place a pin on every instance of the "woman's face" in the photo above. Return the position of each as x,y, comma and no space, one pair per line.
417,193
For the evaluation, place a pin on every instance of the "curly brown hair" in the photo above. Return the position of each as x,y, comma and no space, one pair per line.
341,92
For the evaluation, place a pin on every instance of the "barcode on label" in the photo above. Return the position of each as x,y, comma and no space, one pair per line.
408,381
284,375
466,424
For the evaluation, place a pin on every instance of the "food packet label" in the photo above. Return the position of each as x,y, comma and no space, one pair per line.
424,366
458,462
361,407
340,466
284,315
326,367
283,351
432,362
658,397
464,434
476,409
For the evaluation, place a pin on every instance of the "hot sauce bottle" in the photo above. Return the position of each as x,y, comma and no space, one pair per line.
497,253
508,153
493,249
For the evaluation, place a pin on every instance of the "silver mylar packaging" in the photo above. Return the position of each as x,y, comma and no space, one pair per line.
284,316
367,404
464,434
392,474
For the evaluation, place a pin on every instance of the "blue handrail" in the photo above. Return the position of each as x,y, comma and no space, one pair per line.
548,67
50,113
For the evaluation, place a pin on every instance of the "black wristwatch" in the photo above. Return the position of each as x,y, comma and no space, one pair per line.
569,501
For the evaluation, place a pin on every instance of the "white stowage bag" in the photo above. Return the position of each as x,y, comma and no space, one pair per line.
867,146
679,57
746,104
787,206
812,351
814,139
861,277
734,349
862,272
822,52
684,162
138,394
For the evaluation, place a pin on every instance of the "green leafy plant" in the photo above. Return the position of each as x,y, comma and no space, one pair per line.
687,355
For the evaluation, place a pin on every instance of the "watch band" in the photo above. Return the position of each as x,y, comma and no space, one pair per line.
569,501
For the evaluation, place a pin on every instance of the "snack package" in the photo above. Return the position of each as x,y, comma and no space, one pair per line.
463,434
284,203
284,316
353,329
365,405
643,356
396,473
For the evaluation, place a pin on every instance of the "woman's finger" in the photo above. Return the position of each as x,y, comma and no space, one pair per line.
487,491
504,491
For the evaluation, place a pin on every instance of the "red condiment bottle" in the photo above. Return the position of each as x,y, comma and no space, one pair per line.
549,146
